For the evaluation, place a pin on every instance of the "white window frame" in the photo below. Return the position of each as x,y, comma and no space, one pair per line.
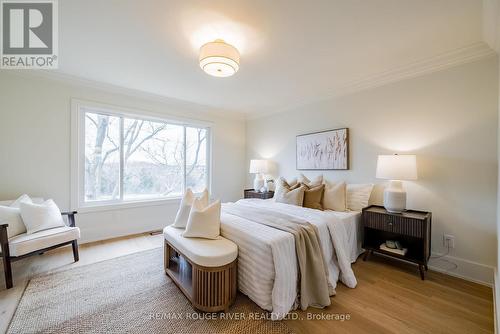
78,154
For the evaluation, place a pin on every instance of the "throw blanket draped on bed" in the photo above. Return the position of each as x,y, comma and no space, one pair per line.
312,267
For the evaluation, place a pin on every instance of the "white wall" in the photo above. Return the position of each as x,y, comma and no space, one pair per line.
35,150
447,118
497,271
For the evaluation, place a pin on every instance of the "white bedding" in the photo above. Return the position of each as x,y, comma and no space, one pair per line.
267,264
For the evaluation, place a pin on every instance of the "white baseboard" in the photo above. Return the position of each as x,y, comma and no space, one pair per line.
468,270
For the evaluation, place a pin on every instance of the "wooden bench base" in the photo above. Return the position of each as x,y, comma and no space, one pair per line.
210,289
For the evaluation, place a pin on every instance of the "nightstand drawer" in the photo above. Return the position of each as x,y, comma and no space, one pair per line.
395,224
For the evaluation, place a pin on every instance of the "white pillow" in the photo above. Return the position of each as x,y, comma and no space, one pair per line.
358,196
23,198
311,184
39,217
334,197
182,216
12,215
204,221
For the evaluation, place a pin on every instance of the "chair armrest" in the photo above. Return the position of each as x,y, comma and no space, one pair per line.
71,217
4,240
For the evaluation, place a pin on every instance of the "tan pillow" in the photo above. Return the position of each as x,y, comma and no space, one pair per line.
311,184
313,197
283,185
293,196
334,197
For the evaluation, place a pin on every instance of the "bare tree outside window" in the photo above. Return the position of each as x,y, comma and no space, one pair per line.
159,159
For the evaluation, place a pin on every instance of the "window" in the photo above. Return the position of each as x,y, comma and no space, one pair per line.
127,158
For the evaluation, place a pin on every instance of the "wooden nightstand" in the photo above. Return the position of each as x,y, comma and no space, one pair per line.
411,228
250,193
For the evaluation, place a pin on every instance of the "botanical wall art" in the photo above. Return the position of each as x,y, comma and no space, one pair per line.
323,150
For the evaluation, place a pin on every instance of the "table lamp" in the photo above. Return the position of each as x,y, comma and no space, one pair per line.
396,168
258,167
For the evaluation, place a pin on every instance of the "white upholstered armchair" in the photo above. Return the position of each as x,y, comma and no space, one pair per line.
17,247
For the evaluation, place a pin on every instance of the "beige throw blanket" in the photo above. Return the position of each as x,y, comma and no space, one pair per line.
312,267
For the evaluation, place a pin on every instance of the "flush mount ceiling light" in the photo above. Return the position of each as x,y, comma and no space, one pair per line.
219,59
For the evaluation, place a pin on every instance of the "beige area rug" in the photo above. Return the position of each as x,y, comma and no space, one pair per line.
130,294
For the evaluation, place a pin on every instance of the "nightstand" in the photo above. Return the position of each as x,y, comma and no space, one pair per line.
250,193
411,228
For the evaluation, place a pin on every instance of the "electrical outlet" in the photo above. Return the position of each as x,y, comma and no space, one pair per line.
449,240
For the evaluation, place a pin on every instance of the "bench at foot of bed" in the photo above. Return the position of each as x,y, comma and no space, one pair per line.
204,270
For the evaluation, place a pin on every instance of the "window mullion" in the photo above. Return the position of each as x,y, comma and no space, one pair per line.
184,162
122,158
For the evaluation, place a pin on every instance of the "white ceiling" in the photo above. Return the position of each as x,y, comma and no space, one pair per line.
291,51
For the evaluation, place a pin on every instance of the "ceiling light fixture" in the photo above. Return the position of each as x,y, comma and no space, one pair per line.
219,59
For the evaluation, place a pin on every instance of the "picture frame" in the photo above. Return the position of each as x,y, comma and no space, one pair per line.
323,150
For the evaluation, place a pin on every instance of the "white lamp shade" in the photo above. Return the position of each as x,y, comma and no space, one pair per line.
397,167
219,59
258,166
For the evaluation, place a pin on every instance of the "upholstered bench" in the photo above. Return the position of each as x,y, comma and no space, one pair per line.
204,270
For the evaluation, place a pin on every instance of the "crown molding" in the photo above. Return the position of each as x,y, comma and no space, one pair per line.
135,93
437,63
491,23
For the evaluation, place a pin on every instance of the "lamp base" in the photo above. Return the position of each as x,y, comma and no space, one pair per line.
395,197
258,182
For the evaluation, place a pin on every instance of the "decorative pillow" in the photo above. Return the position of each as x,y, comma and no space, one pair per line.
358,196
282,186
23,198
311,184
182,216
293,196
313,197
334,197
204,221
39,217
11,215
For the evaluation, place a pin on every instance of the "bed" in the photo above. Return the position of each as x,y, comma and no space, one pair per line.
267,264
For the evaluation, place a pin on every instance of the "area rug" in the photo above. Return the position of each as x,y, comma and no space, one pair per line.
130,294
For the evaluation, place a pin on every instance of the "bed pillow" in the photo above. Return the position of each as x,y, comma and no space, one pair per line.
293,195
283,186
39,217
182,216
313,197
334,197
11,215
317,181
203,221
358,196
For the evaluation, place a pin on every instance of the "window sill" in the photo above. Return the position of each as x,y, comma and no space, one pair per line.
127,205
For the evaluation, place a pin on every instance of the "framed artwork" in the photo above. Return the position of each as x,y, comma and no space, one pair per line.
325,150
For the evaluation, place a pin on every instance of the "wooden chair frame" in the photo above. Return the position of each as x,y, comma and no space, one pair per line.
7,259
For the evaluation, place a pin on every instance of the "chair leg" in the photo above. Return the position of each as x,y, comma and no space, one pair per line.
75,250
8,272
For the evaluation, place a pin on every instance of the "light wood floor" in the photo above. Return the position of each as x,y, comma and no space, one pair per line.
389,298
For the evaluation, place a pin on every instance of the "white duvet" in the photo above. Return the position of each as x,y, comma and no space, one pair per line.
267,264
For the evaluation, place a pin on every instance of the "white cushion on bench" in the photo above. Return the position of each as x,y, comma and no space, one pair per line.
203,252
26,243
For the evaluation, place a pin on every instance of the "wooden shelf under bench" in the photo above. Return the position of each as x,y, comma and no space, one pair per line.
210,289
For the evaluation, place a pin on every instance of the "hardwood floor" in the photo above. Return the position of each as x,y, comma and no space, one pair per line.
389,298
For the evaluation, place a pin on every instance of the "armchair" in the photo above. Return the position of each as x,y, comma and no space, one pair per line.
25,245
